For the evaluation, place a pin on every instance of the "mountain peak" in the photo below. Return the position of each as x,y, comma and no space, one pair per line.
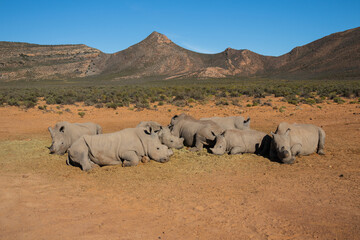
158,38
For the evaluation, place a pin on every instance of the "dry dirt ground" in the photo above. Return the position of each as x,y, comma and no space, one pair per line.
195,195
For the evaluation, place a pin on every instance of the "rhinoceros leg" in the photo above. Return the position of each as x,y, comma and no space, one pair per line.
85,161
130,159
237,150
321,142
204,136
296,149
199,143
79,153
145,159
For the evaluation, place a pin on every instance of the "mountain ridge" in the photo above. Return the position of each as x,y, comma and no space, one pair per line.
334,55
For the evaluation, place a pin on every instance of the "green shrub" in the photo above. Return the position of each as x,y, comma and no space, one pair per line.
142,104
111,105
309,101
140,91
99,105
222,102
13,102
179,103
292,99
81,114
29,104
190,100
256,102
338,100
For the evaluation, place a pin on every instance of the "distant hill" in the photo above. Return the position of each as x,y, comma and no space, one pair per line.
336,55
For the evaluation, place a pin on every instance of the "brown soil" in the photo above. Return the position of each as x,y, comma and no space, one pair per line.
195,195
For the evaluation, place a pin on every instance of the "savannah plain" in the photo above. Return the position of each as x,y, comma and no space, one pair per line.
194,195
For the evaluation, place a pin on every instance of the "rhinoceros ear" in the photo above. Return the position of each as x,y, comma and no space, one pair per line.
174,117
62,129
148,130
247,122
157,131
287,132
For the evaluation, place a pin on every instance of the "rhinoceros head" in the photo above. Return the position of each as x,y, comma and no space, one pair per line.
173,121
155,149
220,145
170,140
60,143
283,147
177,118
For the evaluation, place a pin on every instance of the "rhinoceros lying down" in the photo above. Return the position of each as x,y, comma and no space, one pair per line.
164,134
291,140
236,141
64,134
232,122
125,147
147,124
196,133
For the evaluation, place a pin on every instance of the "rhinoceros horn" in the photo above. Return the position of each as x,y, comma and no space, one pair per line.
51,131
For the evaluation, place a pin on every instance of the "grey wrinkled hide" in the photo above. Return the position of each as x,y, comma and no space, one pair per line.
236,141
164,134
64,134
196,133
126,147
169,139
232,122
154,125
291,140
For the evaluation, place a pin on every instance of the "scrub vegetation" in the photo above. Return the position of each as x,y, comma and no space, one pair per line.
177,92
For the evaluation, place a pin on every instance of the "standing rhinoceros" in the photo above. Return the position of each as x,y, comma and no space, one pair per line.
232,122
291,140
64,134
236,141
127,146
164,134
196,133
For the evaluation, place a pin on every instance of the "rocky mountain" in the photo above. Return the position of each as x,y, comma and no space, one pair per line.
336,55
32,61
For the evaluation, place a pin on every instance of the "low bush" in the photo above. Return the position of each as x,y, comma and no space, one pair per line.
81,114
177,91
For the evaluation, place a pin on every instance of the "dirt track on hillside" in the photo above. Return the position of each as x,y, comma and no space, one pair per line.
194,196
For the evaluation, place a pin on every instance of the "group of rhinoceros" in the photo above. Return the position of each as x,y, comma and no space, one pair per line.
87,146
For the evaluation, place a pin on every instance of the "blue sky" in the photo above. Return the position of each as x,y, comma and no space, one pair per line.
266,27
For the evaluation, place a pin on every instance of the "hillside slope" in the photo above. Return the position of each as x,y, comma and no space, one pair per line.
336,55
